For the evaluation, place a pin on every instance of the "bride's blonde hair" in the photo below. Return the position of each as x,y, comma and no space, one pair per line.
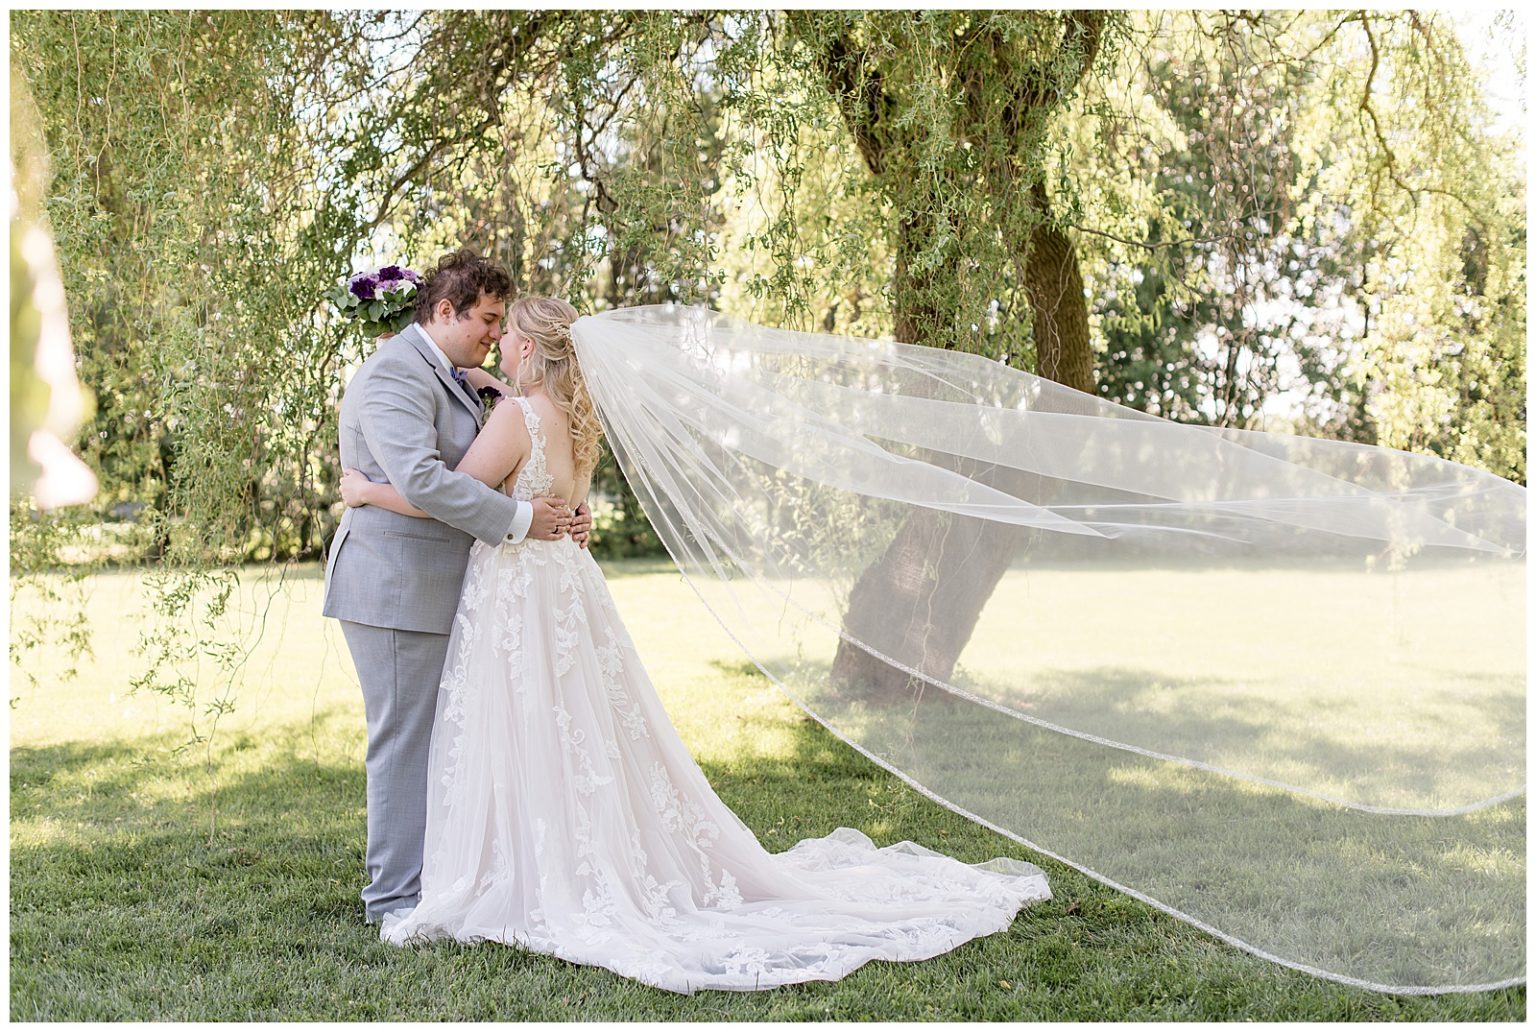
553,367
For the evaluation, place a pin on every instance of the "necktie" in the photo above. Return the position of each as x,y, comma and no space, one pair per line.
463,382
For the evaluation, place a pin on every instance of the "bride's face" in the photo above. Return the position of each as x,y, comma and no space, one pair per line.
515,349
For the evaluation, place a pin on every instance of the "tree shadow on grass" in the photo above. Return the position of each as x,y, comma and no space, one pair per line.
1392,899
1259,863
127,805
1263,735
125,907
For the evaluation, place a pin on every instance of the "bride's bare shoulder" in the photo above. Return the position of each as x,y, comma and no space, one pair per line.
506,422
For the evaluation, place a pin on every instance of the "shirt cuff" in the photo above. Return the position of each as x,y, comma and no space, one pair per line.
520,523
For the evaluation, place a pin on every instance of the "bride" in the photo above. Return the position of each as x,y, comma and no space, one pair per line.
564,813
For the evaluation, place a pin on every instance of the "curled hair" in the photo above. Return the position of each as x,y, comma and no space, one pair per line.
553,367
461,277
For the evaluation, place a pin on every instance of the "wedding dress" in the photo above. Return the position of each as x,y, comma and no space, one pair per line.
566,816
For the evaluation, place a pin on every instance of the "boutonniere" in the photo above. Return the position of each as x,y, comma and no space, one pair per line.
489,396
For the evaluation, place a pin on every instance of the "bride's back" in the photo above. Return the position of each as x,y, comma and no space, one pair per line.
559,450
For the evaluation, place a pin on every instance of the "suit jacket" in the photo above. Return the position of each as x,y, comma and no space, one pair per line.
405,420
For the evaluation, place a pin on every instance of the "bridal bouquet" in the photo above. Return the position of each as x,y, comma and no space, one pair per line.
383,300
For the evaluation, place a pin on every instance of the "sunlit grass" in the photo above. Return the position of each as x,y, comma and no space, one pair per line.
1382,676
222,883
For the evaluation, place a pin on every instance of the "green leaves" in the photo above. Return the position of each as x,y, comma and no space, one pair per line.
390,312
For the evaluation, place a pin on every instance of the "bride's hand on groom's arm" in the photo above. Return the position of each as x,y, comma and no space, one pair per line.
357,489
354,488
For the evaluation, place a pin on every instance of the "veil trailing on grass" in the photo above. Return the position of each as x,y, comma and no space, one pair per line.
1274,686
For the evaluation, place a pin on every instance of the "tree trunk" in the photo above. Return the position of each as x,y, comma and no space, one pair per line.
938,563
1054,285
943,565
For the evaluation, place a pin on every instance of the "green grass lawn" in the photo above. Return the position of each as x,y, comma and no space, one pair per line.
223,884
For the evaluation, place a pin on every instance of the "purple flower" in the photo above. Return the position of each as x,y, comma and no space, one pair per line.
391,272
362,286
410,274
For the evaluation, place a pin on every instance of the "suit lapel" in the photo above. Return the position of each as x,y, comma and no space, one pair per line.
417,337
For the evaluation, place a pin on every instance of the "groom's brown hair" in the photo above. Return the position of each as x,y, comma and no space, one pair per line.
461,277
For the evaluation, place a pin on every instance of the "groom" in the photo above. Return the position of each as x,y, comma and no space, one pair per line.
393,581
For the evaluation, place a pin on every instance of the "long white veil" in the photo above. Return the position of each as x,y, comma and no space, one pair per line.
1274,686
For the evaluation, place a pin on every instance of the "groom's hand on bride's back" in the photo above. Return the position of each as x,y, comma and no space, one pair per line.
551,519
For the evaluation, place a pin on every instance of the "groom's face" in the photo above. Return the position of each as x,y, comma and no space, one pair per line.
467,337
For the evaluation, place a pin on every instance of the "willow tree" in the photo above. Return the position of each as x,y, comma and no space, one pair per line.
1329,148
189,218
183,201
952,114
983,181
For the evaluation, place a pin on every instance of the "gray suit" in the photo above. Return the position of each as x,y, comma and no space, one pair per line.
393,581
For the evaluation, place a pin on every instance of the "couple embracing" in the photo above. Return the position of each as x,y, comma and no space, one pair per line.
525,785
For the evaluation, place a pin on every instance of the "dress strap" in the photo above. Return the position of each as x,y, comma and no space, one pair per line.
535,475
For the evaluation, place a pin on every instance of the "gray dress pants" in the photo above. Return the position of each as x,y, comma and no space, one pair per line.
399,671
